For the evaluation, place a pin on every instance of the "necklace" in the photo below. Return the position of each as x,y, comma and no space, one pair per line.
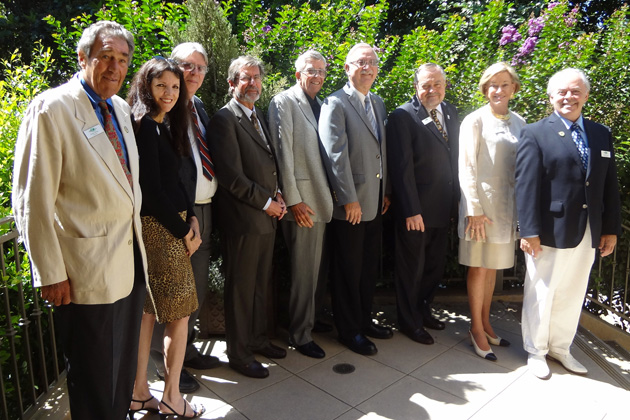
501,117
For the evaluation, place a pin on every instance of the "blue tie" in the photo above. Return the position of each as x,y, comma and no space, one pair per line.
576,133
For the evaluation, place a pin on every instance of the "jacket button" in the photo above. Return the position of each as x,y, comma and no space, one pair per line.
588,183
584,206
378,156
130,242
274,173
378,175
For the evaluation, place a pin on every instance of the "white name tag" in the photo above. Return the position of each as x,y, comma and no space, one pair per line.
606,153
93,131
427,120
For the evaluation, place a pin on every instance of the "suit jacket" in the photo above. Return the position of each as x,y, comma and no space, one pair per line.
554,196
294,135
72,202
422,166
246,171
354,154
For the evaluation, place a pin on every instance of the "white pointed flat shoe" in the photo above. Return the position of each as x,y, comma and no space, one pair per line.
484,354
569,362
497,341
537,365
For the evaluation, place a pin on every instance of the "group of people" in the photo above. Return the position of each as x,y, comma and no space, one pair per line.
114,201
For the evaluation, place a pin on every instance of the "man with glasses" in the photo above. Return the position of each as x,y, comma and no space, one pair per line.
248,206
197,174
293,116
352,130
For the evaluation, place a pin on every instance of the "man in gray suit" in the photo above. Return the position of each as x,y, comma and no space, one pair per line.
293,116
352,130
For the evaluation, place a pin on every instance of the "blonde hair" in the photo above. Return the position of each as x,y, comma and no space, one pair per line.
495,69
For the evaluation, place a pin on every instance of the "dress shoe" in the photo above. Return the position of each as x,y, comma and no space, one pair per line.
537,365
484,354
432,323
359,344
272,352
497,341
420,335
311,349
378,331
321,327
569,362
187,382
253,369
202,362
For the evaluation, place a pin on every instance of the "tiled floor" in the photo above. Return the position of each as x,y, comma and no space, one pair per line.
406,380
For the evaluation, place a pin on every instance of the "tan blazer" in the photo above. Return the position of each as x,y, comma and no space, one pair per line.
72,202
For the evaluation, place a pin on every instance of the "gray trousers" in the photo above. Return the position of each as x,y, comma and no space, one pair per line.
305,246
200,262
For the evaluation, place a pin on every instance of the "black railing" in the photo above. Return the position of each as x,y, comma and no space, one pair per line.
29,361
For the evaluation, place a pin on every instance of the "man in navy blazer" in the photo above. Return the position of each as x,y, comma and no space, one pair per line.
423,174
568,205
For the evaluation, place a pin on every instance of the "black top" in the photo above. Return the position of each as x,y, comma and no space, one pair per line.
163,193
315,106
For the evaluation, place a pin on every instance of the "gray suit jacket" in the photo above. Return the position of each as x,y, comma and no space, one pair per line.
294,134
354,153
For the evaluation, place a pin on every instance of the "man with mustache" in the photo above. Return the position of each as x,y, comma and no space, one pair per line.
352,130
248,206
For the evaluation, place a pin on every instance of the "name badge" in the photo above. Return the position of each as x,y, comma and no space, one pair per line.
427,120
93,131
606,153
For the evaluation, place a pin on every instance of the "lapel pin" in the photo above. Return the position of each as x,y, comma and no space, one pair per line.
561,133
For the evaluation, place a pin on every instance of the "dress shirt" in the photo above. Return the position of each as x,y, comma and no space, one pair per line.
440,117
205,188
568,124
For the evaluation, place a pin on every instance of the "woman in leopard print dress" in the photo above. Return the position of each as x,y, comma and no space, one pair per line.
168,231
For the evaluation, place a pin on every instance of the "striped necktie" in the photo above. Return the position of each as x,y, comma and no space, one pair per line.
204,152
110,130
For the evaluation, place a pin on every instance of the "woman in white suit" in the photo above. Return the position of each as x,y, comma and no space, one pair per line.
487,217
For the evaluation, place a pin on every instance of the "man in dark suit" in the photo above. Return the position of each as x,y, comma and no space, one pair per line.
422,147
197,174
352,130
248,205
567,199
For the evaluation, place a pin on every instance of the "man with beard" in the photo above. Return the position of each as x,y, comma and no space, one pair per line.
248,206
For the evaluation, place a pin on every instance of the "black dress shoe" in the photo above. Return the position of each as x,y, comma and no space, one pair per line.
420,335
321,327
202,362
378,331
253,369
187,382
359,344
272,352
432,323
311,349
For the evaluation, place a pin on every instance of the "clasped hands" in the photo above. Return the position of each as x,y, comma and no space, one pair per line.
277,207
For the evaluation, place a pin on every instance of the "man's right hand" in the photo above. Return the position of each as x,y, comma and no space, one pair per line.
58,293
353,212
531,246
302,214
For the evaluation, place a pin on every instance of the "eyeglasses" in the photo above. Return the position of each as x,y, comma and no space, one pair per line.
314,72
248,79
363,63
186,66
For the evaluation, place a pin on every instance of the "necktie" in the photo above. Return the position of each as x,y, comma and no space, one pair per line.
438,124
576,133
204,152
113,138
257,126
370,115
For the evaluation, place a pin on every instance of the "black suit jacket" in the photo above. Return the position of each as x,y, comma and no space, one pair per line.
554,195
246,171
422,166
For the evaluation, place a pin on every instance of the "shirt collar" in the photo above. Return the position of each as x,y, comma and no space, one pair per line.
94,98
568,123
248,112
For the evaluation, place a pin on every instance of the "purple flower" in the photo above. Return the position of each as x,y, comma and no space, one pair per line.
267,29
571,19
510,35
528,46
552,5
536,25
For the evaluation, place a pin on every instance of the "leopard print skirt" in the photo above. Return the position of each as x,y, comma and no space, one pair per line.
171,289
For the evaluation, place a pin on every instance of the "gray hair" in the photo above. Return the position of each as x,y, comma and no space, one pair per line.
243,61
358,46
186,49
102,29
300,63
427,67
558,76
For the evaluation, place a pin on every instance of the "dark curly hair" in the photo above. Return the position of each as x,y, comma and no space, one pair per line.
142,102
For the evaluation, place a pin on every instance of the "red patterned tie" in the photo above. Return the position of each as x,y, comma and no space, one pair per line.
113,137
204,152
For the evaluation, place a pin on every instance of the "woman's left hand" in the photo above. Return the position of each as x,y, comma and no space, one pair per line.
477,227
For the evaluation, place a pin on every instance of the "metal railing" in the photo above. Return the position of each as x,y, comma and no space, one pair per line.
28,350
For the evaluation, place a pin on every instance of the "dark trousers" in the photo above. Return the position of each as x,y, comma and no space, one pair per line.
200,262
354,272
100,344
247,261
419,267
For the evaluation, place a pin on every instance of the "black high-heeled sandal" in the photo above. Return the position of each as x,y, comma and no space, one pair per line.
149,409
196,413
